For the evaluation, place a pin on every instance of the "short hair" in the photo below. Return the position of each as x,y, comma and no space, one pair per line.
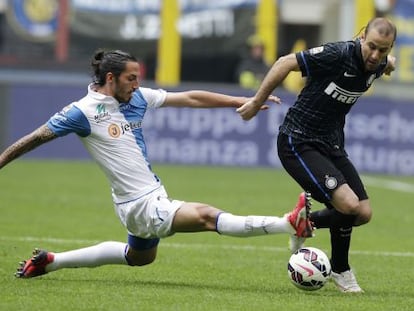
383,25
109,61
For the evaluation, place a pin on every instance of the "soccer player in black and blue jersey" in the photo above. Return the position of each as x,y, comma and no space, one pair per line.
311,137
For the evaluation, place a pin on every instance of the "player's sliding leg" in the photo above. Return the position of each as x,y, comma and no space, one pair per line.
43,262
296,241
296,222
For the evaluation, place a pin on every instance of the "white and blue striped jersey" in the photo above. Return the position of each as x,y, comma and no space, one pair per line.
112,133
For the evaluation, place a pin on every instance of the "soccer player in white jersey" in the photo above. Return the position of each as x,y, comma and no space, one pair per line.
108,120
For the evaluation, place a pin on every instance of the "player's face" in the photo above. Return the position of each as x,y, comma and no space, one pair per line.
127,82
375,48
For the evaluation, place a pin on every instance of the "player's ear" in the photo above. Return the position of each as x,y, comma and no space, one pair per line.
109,77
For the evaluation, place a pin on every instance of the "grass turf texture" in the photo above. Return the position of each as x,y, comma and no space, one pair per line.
65,205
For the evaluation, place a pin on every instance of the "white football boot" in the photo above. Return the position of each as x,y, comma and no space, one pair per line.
346,282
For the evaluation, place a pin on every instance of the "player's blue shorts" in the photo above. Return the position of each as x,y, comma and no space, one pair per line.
140,244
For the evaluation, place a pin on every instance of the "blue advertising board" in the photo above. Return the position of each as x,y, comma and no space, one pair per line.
379,131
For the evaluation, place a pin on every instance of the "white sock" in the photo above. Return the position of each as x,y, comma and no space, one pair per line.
105,253
245,226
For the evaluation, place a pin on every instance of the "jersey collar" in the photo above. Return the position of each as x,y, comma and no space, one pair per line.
358,54
99,96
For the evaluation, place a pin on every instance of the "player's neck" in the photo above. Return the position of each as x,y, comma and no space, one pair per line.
105,89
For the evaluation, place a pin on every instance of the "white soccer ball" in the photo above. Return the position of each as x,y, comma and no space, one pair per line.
309,268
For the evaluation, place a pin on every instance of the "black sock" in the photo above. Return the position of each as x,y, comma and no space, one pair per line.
322,218
341,230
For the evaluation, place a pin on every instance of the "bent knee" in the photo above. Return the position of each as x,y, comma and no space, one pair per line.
141,258
364,217
361,209
350,207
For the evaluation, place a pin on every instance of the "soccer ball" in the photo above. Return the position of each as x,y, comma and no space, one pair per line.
309,268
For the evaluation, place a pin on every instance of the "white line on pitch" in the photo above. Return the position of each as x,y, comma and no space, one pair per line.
253,248
388,184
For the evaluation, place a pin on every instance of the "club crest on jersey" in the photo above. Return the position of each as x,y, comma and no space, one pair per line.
371,79
101,114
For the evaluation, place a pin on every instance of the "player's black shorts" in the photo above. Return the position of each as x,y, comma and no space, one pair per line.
318,168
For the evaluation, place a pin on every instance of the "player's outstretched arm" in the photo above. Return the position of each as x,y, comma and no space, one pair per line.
279,71
202,99
205,99
29,142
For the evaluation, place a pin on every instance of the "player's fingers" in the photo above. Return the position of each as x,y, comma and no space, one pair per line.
392,59
275,99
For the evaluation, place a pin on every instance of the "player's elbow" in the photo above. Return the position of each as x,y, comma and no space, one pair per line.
288,63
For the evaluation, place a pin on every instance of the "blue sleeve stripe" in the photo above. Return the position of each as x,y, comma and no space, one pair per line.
69,121
305,63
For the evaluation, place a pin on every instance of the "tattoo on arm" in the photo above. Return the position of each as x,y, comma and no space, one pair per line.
29,142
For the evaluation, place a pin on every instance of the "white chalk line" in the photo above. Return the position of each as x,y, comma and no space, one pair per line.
250,248
388,184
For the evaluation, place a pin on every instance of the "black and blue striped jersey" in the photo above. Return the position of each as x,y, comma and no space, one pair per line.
335,79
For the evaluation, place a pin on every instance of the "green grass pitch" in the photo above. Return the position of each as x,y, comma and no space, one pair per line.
60,205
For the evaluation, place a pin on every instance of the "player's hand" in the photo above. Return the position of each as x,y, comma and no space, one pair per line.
390,65
249,109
